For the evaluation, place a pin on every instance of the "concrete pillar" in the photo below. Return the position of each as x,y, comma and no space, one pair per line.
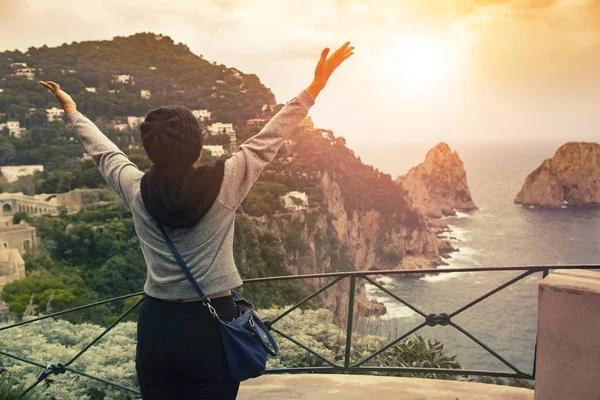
568,352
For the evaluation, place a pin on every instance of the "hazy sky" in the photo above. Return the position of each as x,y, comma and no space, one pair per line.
424,70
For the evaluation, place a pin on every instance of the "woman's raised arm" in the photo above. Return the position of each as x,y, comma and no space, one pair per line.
244,168
121,174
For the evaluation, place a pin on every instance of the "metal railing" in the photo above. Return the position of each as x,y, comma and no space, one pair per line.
429,319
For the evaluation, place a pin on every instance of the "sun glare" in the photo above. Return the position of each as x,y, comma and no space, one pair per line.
422,64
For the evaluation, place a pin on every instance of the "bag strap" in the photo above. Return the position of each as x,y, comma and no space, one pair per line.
186,270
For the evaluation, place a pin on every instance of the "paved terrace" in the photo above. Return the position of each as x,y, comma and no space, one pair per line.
359,387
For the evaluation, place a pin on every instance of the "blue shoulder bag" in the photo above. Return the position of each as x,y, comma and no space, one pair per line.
246,340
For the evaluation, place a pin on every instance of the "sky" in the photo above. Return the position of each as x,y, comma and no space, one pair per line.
459,71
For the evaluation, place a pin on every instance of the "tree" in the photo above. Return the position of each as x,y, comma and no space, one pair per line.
7,153
68,290
18,217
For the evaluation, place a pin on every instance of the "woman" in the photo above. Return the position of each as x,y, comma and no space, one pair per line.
179,352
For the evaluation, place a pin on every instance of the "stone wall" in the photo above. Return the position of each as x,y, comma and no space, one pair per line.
568,349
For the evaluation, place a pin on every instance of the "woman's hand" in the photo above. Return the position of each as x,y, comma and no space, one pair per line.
63,97
326,66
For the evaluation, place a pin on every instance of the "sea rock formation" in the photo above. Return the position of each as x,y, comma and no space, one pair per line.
572,176
438,186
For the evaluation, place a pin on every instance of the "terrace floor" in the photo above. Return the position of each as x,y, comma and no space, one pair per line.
360,387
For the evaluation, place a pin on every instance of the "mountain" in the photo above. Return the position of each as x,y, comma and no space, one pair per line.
145,61
572,176
438,186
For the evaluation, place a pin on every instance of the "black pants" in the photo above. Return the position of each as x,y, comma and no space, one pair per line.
180,353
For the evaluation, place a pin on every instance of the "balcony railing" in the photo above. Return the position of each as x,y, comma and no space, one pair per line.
445,319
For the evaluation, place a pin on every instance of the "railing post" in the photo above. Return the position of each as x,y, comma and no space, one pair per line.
568,351
545,273
350,320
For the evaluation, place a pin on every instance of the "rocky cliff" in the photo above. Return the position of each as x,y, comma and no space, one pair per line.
358,219
438,186
335,240
572,176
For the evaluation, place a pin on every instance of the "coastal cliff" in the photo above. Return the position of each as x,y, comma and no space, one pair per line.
357,218
438,186
572,176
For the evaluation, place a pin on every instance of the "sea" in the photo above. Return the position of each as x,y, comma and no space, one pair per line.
499,233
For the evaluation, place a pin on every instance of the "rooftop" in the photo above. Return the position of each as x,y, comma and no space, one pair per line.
359,387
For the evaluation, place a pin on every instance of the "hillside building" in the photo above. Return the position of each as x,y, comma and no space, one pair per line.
295,201
202,114
22,70
123,78
12,268
20,237
134,122
14,128
54,113
220,128
215,151
120,126
12,173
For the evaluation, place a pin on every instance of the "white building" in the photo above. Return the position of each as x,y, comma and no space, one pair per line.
295,201
1,90
113,91
134,122
219,128
25,73
91,89
14,128
215,151
152,68
220,81
201,114
123,78
13,173
54,113
18,65
144,94
120,126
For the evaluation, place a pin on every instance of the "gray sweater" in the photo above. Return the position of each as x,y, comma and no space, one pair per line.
207,248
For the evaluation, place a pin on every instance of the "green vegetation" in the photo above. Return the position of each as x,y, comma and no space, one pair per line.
11,389
51,342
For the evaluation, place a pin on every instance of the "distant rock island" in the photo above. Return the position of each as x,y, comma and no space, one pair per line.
572,176
438,186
